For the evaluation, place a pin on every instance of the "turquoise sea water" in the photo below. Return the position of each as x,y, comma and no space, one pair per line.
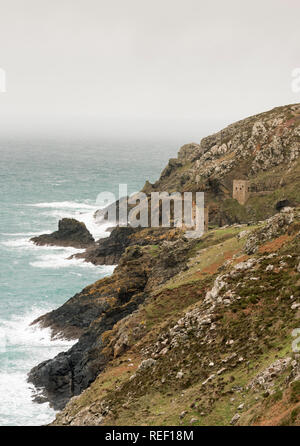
40,182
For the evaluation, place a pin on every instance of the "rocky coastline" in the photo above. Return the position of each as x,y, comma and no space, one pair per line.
185,328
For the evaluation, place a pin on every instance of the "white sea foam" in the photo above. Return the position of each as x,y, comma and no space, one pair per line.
26,244
28,234
23,346
80,211
60,260
18,332
64,205
58,257
17,407
56,261
26,347
21,243
53,257
97,230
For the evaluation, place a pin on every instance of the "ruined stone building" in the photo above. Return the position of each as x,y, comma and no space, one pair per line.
241,190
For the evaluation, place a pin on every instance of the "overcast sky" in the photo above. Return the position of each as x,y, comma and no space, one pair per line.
161,67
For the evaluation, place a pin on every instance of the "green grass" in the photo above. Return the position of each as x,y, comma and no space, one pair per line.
295,391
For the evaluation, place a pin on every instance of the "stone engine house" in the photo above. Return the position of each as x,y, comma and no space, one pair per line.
241,190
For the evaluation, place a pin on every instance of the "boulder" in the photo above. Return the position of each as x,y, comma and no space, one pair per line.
146,364
235,419
70,232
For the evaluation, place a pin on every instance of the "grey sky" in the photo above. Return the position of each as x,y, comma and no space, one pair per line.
141,67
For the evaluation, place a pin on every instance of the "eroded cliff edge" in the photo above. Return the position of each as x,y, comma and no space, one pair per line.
181,317
95,310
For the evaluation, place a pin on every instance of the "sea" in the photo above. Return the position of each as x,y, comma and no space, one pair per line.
42,181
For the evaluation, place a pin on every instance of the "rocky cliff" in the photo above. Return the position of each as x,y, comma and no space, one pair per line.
195,331
263,149
70,233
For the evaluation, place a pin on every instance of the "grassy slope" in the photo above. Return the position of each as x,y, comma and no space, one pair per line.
158,397
260,322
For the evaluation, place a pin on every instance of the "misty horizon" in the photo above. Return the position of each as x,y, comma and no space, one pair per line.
172,69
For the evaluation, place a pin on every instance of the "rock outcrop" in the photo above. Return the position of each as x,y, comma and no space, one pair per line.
202,328
70,233
108,251
94,311
274,226
263,149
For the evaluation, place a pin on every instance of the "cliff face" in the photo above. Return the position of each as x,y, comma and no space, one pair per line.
108,251
93,312
194,331
263,149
